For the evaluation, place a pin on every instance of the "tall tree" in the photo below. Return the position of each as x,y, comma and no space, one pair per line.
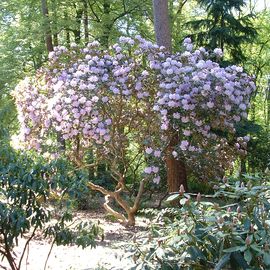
85,22
47,28
176,169
224,27
161,22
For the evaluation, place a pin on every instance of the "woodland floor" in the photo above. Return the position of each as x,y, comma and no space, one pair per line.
109,253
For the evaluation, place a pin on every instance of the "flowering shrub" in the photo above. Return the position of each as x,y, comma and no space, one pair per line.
203,234
202,102
127,104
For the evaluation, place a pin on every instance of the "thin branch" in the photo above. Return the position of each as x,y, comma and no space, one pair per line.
27,256
9,257
49,254
94,13
25,246
124,13
136,204
179,10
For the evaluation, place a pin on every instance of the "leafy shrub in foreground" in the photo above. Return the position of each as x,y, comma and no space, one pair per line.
25,188
229,230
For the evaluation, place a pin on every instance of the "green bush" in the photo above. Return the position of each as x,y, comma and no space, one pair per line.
229,230
26,188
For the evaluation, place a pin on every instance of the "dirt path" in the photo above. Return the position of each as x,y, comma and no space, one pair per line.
109,253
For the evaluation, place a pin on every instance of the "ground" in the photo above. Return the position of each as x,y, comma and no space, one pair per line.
109,253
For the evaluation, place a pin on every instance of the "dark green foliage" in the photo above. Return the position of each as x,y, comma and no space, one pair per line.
229,230
26,188
258,155
196,185
224,27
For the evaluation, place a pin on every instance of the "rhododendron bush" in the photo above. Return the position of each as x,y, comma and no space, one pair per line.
126,105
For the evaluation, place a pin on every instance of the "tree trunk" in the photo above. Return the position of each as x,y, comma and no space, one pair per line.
68,38
130,211
131,219
77,31
176,169
162,25
48,33
54,23
107,24
85,22
55,39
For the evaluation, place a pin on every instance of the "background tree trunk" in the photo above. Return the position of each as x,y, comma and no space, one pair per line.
107,24
48,33
85,22
54,23
162,25
77,31
176,169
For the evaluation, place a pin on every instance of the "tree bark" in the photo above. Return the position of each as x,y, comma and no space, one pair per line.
77,31
161,23
54,23
85,22
48,33
107,24
176,169
130,211
68,38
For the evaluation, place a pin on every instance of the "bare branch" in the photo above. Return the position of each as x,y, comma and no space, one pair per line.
136,204
116,214
93,11
26,245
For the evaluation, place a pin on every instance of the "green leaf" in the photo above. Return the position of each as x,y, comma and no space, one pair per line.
160,253
248,256
266,258
207,203
195,253
238,257
234,249
222,262
247,224
172,197
256,248
183,201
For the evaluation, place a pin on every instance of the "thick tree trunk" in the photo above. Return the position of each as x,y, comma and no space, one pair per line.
107,24
77,31
176,169
162,25
48,33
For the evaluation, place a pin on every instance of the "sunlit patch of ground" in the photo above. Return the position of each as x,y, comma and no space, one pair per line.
109,253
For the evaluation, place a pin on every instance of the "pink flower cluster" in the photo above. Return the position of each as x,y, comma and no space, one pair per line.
140,87
196,95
